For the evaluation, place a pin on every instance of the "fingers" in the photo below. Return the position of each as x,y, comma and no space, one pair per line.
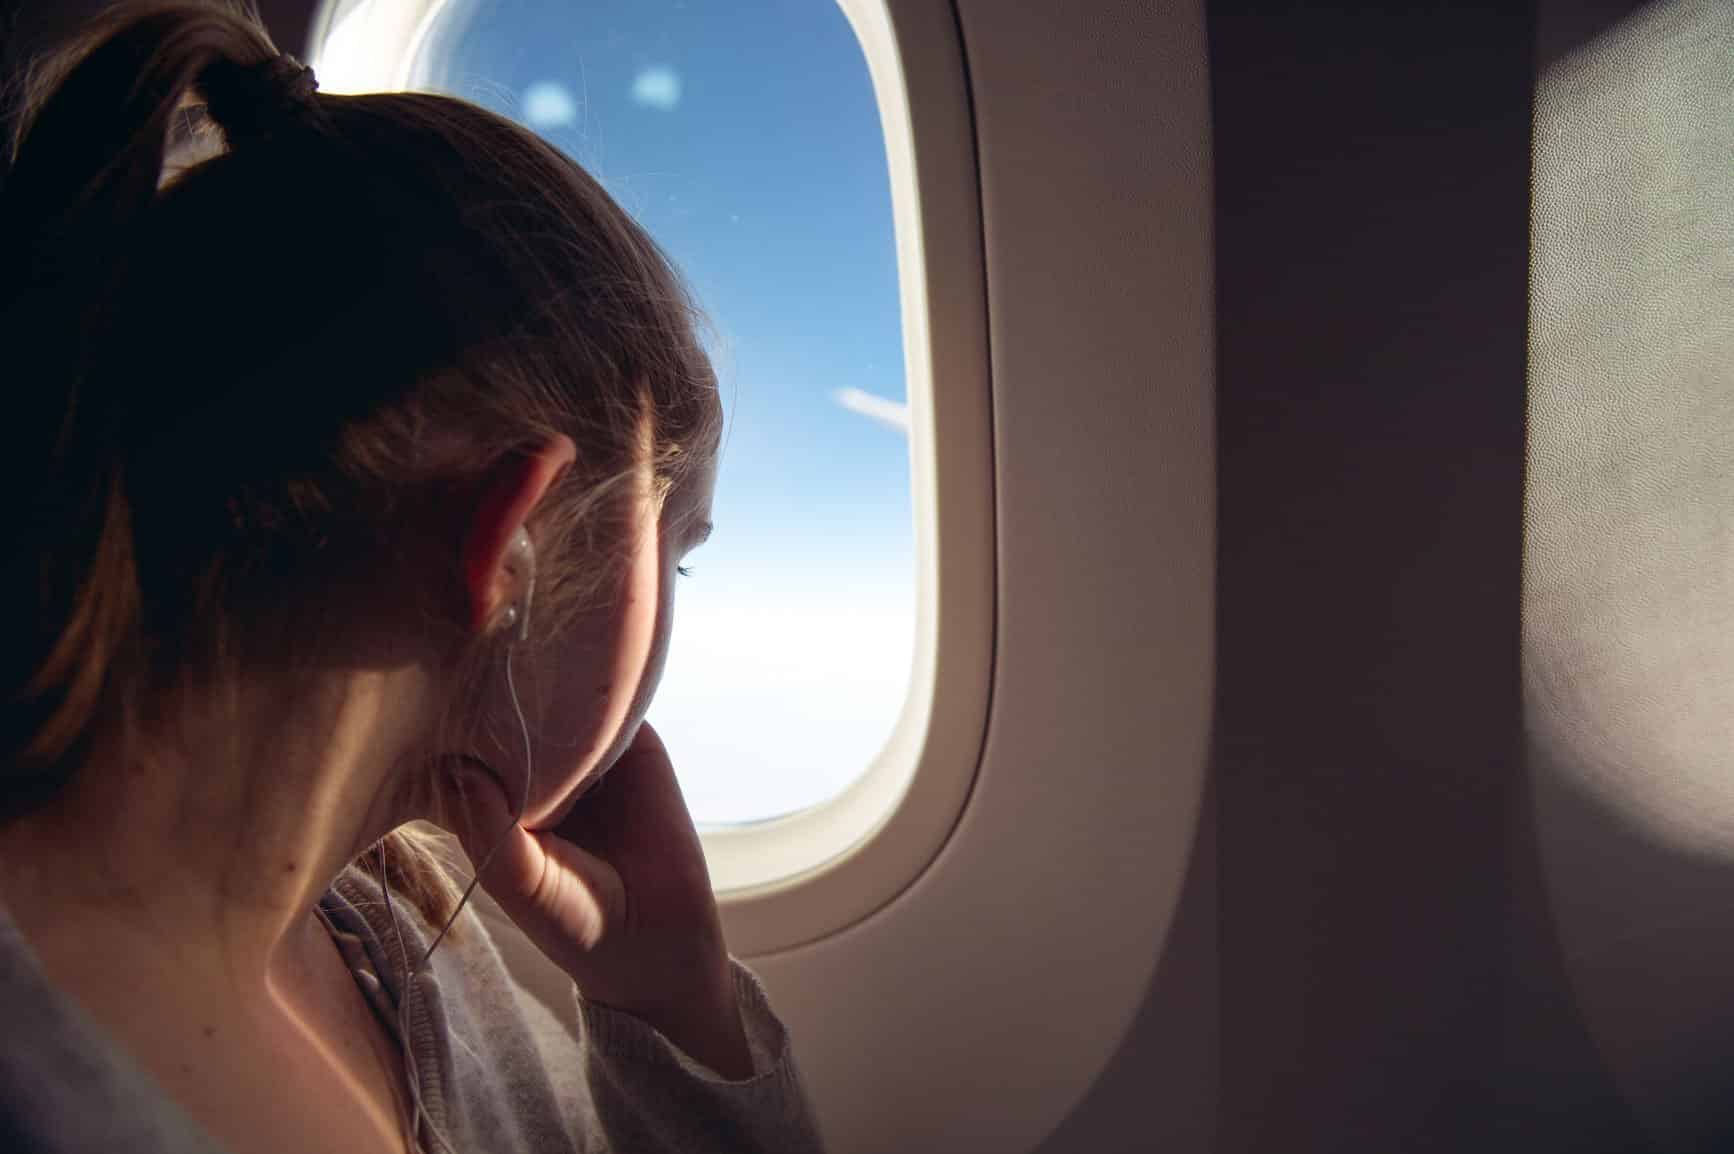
634,798
579,895
562,897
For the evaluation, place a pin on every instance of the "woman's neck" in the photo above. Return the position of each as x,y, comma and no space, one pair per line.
172,897
217,858
269,1056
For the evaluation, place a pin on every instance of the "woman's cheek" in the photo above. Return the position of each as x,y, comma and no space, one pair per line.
629,660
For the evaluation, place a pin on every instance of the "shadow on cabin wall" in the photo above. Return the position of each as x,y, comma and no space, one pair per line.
1428,935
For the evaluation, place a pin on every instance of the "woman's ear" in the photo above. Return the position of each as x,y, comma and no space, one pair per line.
510,492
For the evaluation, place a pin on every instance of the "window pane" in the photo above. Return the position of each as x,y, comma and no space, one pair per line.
745,136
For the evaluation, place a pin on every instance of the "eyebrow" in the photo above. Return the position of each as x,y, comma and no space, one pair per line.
702,534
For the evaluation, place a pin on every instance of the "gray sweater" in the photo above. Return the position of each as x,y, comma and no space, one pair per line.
499,1072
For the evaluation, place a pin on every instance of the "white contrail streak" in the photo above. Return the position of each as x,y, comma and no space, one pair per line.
892,414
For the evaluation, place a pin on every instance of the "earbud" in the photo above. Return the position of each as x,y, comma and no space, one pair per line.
521,556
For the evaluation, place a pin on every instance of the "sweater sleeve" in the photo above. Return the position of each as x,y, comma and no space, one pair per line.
650,1096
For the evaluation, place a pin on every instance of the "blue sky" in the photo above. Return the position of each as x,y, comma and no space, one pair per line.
744,134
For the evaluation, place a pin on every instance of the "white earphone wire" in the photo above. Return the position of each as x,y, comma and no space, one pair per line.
409,983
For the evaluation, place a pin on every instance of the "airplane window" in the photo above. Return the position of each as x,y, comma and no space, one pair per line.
745,135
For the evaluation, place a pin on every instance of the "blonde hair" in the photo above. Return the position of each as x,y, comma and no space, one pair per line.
245,373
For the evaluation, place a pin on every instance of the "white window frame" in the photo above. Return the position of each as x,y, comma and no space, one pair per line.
806,876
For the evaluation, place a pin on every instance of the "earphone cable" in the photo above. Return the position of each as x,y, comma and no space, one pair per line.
409,984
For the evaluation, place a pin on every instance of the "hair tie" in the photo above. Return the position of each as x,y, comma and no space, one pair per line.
293,78
254,101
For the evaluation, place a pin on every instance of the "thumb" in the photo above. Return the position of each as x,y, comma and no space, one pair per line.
563,898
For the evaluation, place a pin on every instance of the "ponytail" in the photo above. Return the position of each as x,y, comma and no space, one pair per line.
84,171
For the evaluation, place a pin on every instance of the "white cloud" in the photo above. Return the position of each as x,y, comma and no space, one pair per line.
549,105
890,413
657,87
779,699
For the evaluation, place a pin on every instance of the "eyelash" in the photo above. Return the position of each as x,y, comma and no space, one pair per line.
683,570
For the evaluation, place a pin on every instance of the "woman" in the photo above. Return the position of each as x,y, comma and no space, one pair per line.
356,442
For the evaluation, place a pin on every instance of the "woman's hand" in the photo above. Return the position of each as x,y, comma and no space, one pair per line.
618,896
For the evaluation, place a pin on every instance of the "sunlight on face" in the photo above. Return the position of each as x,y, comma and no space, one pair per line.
602,682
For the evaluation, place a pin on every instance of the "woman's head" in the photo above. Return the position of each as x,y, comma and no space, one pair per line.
290,368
